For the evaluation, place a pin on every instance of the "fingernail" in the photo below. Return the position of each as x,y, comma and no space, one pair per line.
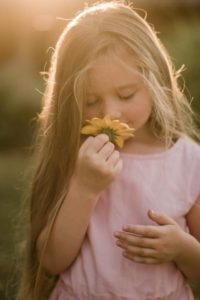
116,233
105,136
151,211
125,227
125,254
118,243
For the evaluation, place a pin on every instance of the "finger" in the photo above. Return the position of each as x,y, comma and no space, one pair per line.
99,141
86,144
114,158
118,167
161,218
107,150
138,241
137,251
141,260
150,231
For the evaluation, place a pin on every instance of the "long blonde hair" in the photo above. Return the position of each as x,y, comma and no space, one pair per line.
102,28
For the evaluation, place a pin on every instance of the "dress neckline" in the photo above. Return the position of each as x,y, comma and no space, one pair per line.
155,155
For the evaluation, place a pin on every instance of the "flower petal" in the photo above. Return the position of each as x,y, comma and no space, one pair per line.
89,129
116,130
119,141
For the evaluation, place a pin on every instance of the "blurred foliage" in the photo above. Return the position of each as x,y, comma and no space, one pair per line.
184,48
19,104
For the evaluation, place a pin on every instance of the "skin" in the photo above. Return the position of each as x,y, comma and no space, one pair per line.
97,166
115,90
133,105
164,243
99,163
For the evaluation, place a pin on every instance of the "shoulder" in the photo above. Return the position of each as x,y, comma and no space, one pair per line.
190,146
189,152
191,167
185,156
193,217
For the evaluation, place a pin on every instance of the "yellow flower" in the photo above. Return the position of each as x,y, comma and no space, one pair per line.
117,131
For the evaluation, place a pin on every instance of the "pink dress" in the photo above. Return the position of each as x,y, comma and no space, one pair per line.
166,182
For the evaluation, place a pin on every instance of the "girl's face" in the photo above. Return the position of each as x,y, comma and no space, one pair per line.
114,89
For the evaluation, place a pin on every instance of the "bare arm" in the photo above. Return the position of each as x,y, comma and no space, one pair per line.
189,259
97,165
165,243
68,231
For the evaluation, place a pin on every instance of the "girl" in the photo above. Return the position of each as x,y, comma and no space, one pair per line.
108,224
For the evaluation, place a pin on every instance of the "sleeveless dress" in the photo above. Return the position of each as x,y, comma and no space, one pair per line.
167,182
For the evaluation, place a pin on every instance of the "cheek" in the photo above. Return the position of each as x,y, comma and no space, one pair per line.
140,112
90,113
145,111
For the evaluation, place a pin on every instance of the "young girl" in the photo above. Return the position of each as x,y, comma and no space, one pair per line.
108,223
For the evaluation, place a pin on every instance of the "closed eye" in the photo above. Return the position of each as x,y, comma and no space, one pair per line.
92,102
127,97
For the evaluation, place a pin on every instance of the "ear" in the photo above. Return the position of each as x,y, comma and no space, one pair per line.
160,218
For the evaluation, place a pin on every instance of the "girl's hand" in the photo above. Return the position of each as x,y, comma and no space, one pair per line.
98,164
152,244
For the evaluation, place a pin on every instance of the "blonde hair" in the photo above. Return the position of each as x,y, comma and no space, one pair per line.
103,28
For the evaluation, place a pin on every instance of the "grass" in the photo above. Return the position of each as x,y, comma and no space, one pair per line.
13,166
13,170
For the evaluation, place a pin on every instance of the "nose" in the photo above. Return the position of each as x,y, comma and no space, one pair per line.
111,108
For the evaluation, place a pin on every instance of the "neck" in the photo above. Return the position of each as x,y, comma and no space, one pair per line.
144,142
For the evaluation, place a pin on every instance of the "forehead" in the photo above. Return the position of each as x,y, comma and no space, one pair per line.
112,72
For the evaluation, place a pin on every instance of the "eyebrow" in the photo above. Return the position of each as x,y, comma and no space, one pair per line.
120,87
126,86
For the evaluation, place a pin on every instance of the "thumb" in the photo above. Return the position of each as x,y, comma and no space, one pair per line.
160,218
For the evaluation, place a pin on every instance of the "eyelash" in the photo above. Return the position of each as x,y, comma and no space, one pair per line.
93,102
121,98
127,97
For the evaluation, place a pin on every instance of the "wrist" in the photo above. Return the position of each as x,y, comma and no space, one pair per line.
185,242
84,190
189,259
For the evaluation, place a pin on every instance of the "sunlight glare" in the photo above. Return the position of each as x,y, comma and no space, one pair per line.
43,22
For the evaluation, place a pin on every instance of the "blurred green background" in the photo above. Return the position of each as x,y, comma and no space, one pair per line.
28,32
